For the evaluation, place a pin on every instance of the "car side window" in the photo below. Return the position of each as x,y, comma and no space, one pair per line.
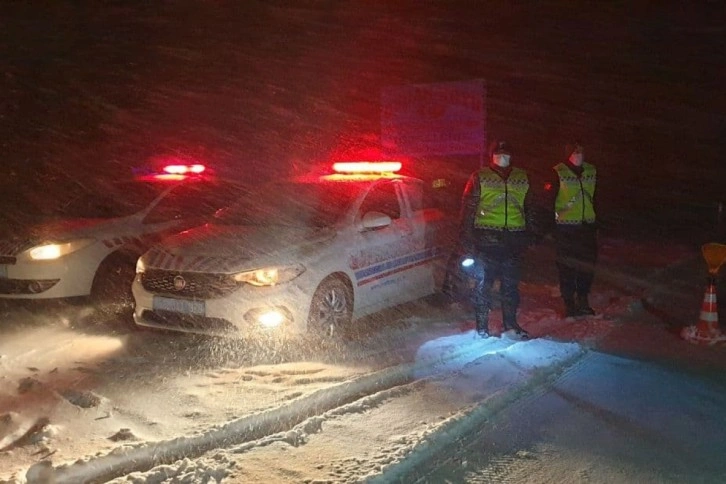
382,198
415,191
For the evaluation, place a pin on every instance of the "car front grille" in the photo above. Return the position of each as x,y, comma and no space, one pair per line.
196,285
172,320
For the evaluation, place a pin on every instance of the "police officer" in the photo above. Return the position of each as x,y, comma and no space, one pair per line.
571,193
494,220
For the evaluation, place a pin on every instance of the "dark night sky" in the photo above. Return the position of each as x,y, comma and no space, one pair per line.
91,88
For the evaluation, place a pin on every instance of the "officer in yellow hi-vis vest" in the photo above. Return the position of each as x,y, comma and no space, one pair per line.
495,217
571,193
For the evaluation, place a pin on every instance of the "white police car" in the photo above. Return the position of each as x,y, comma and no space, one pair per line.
311,253
96,237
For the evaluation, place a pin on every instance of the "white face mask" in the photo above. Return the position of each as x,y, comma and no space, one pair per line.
577,159
501,161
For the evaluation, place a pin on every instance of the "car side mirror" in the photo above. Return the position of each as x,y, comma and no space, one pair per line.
375,220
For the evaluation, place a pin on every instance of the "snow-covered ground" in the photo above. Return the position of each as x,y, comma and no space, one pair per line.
604,419
71,394
91,403
360,440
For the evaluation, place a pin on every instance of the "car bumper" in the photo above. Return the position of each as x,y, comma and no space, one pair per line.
246,312
44,280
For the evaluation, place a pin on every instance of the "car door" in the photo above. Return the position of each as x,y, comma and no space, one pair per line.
428,246
377,251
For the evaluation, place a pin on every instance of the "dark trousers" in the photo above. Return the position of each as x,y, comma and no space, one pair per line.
576,247
721,298
504,265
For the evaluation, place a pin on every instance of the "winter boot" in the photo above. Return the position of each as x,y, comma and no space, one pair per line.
583,307
571,309
509,321
482,323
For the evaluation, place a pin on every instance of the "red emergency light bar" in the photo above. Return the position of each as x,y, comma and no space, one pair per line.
184,169
366,166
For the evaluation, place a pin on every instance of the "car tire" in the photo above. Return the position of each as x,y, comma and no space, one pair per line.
331,309
111,289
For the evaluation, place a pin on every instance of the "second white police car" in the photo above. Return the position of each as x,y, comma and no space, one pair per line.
310,254
90,245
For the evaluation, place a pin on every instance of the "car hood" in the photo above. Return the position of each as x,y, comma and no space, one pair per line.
51,231
222,248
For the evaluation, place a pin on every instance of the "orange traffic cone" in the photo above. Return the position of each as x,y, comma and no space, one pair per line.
707,330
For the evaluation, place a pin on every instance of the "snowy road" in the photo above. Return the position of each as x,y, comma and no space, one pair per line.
606,419
101,387
424,401
122,401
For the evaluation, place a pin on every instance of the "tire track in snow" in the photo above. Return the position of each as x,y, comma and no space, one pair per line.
589,425
438,400
125,460
456,432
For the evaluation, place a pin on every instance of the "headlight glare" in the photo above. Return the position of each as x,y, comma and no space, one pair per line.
52,251
270,276
45,252
140,266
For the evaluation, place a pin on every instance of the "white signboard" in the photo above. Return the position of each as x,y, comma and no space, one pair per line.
434,119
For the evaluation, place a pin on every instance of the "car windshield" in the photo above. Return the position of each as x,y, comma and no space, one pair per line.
292,204
115,200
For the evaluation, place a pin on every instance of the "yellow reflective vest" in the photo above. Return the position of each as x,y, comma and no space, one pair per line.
501,203
573,205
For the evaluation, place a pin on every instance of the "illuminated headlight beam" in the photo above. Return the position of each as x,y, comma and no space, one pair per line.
270,276
52,251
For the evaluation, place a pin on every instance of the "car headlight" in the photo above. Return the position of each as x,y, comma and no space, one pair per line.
140,266
270,276
52,251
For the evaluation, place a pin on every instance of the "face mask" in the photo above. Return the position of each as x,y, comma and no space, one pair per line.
501,161
577,159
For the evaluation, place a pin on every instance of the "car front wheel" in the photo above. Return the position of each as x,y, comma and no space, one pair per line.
331,311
